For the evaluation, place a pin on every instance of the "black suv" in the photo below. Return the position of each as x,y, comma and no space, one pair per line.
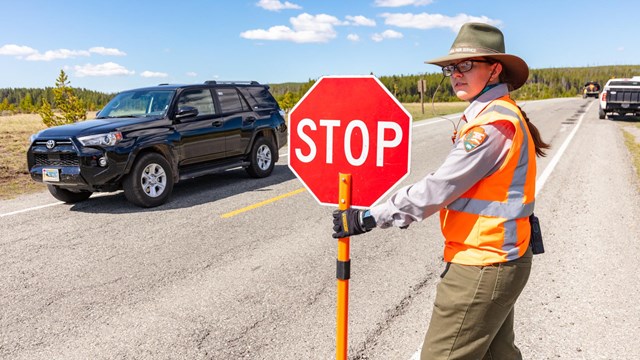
146,140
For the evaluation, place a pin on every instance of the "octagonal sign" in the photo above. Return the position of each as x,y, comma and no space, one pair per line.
351,125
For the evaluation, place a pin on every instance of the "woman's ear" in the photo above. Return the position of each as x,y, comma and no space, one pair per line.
497,70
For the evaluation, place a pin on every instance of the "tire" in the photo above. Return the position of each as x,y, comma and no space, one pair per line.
261,158
601,113
68,196
150,181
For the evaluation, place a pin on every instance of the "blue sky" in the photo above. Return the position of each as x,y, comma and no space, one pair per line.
115,45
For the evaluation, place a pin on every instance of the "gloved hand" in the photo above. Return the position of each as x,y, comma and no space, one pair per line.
351,222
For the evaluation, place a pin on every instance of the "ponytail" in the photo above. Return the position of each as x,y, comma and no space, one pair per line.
540,145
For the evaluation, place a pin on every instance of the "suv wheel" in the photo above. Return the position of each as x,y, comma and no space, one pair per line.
68,196
601,113
150,181
261,158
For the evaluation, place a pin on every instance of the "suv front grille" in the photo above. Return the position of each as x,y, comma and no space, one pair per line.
56,160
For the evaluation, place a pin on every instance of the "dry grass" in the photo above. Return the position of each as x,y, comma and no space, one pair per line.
14,142
415,109
631,135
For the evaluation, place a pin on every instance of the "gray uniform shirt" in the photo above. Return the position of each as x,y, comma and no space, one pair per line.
460,171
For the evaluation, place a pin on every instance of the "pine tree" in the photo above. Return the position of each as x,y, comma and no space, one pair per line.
26,104
71,107
287,101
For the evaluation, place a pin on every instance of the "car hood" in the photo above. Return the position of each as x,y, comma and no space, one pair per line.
99,126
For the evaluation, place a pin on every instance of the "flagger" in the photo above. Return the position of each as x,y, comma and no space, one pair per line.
485,195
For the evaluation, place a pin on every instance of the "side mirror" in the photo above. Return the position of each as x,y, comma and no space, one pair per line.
186,112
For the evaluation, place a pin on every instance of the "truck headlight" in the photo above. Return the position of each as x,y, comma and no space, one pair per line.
109,139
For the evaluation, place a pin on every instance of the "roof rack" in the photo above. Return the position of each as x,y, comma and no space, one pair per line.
163,84
214,82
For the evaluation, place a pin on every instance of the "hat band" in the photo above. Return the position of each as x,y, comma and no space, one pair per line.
472,50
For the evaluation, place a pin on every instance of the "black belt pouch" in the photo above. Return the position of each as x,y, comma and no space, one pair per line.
537,247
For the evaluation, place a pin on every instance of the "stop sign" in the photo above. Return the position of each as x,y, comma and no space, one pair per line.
351,125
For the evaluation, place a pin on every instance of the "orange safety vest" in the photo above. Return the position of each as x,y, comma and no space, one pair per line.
489,223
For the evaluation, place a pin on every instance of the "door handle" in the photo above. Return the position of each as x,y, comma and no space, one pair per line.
250,119
217,123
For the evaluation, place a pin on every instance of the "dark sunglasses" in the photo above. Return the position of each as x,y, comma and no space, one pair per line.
462,66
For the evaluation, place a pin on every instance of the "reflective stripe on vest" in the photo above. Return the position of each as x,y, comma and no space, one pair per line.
506,205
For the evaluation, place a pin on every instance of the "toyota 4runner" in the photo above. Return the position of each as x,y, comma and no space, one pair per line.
146,140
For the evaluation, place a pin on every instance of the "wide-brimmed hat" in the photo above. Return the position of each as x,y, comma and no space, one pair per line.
483,40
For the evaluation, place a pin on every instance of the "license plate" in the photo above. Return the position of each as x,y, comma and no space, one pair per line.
50,175
625,106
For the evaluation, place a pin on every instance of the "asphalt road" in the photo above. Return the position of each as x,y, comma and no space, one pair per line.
103,279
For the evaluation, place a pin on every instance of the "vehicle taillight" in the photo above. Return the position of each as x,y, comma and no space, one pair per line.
604,96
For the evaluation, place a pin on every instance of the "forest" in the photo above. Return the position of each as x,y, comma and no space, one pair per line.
542,84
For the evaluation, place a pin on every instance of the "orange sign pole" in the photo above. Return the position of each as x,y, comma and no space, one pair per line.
343,272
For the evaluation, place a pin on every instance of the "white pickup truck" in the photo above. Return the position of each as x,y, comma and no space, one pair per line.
621,96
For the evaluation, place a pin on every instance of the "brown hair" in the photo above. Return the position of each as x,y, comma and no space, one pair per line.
540,145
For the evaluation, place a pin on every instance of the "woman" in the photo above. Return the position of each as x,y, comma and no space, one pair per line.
484,192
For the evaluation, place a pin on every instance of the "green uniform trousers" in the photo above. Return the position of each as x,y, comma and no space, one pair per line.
473,312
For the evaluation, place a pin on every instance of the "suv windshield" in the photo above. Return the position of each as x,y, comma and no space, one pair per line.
137,104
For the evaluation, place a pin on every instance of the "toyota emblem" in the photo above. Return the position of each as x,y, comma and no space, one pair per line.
51,144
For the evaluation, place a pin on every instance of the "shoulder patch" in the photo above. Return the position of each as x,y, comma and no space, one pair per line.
474,138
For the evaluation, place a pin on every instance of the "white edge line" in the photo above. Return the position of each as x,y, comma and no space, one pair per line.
30,209
556,158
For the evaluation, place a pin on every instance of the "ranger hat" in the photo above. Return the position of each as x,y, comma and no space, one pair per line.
483,40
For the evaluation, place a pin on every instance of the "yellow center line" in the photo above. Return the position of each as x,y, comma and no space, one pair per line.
262,203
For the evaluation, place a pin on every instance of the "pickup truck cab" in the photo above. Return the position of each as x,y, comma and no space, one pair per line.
620,96
146,140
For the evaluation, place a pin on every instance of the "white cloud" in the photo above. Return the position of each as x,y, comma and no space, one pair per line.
153,74
106,69
399,3
387,34
16,50
191,74
57,54
353,37
621,48
107,51
31,54
360,20
276,5
425,21
306,29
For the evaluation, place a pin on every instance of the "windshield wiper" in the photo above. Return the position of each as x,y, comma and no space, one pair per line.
118,117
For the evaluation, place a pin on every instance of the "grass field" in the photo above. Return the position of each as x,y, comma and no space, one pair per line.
631,135
14,141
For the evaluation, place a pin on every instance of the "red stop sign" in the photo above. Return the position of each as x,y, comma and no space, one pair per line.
351,125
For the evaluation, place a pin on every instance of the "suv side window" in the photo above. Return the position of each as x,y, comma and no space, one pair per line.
259,97
200,99
230,101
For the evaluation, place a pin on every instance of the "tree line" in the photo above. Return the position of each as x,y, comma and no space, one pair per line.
542,84
30,100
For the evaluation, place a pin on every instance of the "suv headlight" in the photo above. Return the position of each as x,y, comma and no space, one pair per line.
33,137
109,139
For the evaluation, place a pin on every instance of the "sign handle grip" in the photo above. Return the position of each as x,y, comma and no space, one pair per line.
343,270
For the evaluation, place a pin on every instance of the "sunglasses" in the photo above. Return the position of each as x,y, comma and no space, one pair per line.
462,66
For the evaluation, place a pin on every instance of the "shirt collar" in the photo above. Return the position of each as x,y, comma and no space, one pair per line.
476,106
